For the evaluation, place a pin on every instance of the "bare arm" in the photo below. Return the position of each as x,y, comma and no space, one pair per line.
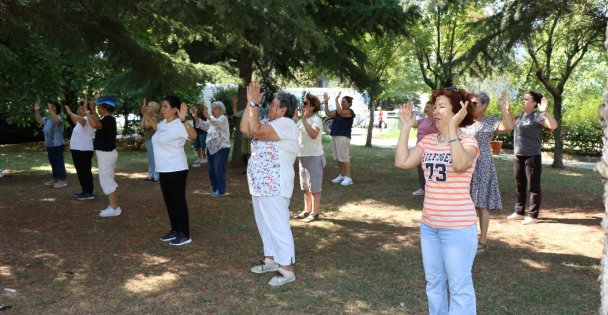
462,156
148,118
313,132
328,113
181,114
39,119
507,122
53,115
76,119
404,156
92,116
550,122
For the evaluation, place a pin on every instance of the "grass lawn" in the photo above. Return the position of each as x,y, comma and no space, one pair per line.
362,258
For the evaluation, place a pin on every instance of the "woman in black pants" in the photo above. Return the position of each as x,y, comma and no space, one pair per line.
172,164
527,166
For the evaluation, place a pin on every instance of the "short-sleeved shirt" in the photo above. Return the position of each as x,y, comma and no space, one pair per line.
527,138
426,126
342,126
53,133
168,143
309,146
105,138
270,169
82,136
447,195
218,133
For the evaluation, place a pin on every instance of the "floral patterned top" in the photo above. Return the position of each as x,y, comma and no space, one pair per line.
270,169
218,132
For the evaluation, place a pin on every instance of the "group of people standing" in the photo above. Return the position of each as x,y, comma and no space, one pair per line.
461,185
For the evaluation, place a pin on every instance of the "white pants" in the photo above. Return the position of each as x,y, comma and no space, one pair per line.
106,163
272,219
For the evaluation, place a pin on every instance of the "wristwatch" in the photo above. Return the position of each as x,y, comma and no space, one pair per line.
252,104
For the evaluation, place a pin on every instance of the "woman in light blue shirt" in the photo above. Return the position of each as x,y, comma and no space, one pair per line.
53,139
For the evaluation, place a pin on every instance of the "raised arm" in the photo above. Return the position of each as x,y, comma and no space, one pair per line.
313,132
328,113
181,114
39,119
256,129
147,116
404,156
507,122
53,115
91,113
462,156
77,119
550,122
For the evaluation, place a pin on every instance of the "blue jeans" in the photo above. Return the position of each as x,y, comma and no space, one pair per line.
55,155
152,173
447,256
217,169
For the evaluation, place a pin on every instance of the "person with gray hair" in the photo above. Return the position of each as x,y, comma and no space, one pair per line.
270,175
484,184
218,145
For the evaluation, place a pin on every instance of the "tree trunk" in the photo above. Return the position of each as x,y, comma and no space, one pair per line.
245,73
602,167
558,151
370,126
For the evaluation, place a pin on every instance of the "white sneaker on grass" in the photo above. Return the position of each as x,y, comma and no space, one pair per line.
347,181
419,192
282,277
110,212
516,216
529,220
266,265
338,179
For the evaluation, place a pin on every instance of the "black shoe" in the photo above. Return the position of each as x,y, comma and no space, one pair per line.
169,236
180,240
76,195
85,196
148,179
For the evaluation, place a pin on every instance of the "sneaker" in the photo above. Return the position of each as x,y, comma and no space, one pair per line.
338,179
109,212
169,236
347,181
60,184
281,278
77,194
180,239
50,183
203,161
148,179
85,196
266,265
419,192
216,194
196,165
515,216
312,217
530,220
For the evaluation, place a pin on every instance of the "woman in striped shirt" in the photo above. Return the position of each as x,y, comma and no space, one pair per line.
448,230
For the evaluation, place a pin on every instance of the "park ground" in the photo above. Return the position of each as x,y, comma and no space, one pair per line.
362,258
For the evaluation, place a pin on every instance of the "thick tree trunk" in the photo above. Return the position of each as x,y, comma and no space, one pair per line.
245,73
602,167
370,126
558,151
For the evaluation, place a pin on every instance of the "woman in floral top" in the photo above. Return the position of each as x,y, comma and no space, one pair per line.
270,175
218,145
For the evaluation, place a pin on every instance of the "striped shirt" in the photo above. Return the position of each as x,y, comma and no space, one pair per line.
447,198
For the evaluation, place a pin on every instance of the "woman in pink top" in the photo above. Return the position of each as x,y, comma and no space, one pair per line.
426,126
448,231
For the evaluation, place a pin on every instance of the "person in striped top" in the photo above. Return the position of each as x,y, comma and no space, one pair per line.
448,231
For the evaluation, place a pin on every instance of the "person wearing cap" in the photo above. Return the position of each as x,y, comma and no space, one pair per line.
171,163
53,139
105,150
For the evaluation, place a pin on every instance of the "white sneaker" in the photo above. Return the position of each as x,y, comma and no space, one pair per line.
530,220
282,277
338,179
516,216
419,192
196,165
109,212
203,161
347,181
266,265
197,161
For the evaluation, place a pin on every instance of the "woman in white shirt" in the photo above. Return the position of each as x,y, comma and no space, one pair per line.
81,146
171,163
312,158
270,176
218,145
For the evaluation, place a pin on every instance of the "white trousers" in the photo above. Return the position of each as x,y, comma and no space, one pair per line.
106,163
272,219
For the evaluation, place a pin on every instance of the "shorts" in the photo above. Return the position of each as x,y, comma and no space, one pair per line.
311,173
341,148
106,164
201,141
